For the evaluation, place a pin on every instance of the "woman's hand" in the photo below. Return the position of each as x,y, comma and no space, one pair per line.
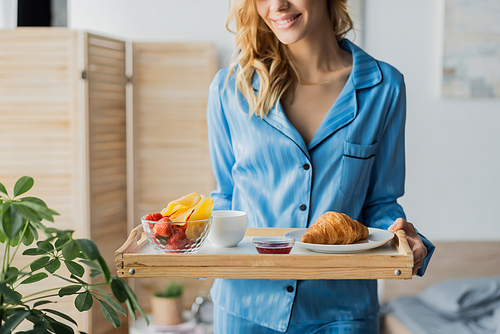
414,241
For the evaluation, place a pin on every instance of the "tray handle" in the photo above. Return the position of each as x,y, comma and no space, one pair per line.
402,245
135,241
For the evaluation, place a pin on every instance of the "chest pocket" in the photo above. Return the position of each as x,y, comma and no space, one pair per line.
357,163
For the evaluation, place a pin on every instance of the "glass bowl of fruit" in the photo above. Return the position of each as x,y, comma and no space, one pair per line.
181,227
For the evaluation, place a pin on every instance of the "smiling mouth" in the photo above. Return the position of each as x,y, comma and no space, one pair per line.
281,22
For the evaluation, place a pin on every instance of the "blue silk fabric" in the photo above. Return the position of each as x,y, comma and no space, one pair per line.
356,165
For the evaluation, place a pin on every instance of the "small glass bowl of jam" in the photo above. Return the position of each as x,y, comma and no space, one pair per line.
273,244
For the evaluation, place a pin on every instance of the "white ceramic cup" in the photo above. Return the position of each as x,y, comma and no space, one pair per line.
228,227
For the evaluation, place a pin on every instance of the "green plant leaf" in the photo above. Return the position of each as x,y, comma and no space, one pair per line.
5,224
9,293
89,248
35,278
42,302
58,327
34,252
110,314
104,268
17,222
67,279
16,240
33,230
172,290
39,263
11,275
69,290
59,232
39,226
131,310
71,251
61,240
40,325
113,303
91,264
62,315
22,185
10,311
53,266
132,297
26,211
13,321
75,268
42,211
35,200
12,222
118,289
78,280
28,237
3,189
84,301
2,236
94,273
46,245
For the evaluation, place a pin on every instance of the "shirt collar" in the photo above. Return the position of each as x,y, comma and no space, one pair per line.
365,71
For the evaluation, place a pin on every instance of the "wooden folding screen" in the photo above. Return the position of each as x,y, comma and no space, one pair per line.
63,122
106,160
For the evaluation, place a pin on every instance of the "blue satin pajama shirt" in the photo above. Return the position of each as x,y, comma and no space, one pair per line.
354,164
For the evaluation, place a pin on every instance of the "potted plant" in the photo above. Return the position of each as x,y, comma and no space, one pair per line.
167,304
21,223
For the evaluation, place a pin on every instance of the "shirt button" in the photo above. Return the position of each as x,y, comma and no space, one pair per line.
306,166
289,288
303,207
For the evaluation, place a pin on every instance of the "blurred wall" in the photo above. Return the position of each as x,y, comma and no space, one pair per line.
453,145
156,20
453,155
8,14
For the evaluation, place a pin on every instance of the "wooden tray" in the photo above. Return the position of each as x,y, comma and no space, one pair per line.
137,258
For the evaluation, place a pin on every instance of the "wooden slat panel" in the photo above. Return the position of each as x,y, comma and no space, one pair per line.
107,152
171,159
171,83
38,129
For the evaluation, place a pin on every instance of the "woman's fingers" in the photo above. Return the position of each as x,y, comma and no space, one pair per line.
397,225
419,252
414,241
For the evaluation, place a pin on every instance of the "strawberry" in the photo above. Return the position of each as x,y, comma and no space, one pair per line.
163,228
164,219
178,244
157,216
153,216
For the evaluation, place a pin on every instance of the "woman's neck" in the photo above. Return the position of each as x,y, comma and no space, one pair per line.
317,56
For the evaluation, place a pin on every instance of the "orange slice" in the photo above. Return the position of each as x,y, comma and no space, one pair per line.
203,209
180,208
202,212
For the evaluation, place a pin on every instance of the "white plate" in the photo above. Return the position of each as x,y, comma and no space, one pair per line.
376,238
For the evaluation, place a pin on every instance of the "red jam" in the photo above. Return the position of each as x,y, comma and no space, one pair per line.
274,250
273,244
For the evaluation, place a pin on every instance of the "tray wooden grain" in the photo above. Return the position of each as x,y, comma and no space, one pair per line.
136,258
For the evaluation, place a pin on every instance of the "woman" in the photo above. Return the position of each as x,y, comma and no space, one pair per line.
302,123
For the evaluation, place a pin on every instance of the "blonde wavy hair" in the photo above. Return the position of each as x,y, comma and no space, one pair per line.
260,52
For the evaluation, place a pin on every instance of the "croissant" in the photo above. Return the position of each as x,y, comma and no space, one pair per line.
335,228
